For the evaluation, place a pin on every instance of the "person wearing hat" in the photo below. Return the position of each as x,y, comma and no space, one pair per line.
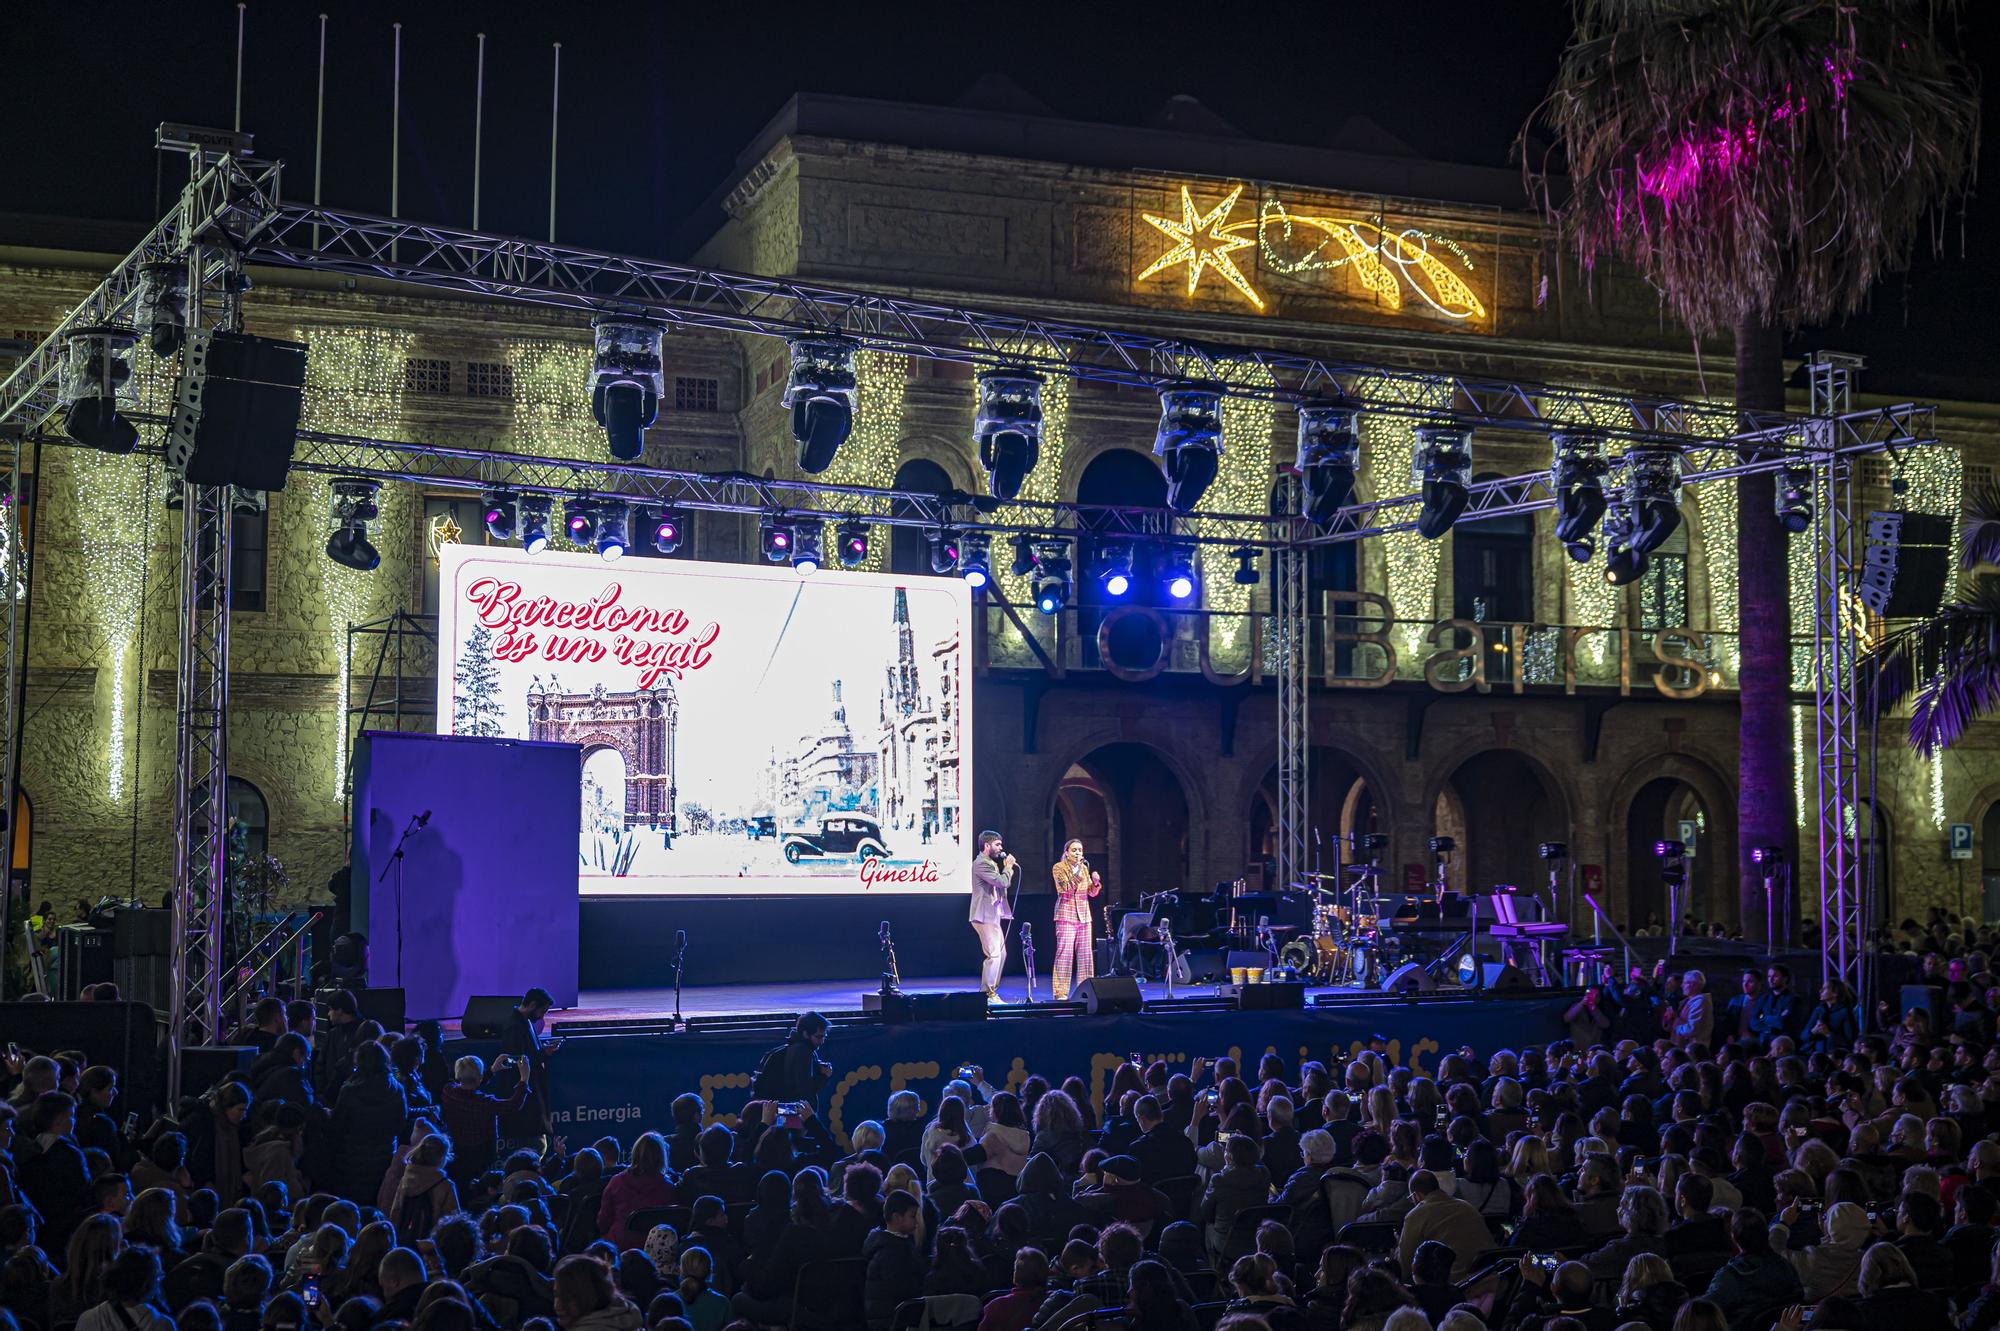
1834,1266
992,907
1121,1195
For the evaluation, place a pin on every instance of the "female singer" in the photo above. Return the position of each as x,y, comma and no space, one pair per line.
1076,883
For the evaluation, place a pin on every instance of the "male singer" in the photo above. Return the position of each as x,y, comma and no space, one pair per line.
992,885
1076,883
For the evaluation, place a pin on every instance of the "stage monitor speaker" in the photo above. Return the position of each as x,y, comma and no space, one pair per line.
1103,994
204,1065
1906,565
1408,978
902,1008
1500,978
1205,965
236,410
485,1014
1252,960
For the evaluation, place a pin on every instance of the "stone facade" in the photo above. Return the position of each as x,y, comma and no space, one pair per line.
1179,763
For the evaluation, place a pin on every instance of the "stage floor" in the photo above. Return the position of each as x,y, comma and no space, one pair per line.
724,1000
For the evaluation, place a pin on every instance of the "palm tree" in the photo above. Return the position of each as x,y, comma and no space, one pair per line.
1762,162
1948,666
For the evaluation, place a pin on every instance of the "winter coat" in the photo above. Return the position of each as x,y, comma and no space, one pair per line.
618,1315
895,1275
270,1159
628,1193
369,1119
471,1120
511,1290
424,1197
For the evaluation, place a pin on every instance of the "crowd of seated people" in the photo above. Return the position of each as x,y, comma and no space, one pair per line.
1685,1163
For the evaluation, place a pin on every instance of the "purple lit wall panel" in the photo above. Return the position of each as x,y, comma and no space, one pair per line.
489,885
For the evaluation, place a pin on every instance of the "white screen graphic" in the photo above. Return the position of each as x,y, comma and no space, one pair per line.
746,731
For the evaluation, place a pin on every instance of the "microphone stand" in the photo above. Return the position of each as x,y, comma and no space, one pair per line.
1028,957
892,979
680,962
417,823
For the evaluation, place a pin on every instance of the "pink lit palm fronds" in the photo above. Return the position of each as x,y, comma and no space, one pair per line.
1764,160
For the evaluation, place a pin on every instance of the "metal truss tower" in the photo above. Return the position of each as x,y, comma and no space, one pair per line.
1836,729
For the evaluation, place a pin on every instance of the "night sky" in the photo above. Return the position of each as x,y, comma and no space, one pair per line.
657,100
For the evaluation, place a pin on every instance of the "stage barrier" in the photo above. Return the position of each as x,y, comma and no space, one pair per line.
622,1085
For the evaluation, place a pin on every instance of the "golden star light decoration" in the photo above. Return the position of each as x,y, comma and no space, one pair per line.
443,532
1202,241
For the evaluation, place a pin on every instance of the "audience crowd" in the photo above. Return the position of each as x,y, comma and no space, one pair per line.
1687,1160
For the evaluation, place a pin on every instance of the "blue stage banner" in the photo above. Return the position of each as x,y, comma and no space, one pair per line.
623,1085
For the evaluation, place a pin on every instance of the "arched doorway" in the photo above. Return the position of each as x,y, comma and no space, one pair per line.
1083,811
1145,813
909,547
603,790
1656,814
1125,477
1506,808
248,810
1989,862
1493,581
1338,804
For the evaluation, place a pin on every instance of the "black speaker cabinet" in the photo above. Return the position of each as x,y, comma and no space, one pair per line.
1108,993
485,1014
1408,978
236,410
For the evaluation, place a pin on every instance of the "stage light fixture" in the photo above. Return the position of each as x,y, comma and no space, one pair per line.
808,535
612,522
1008,428
1114,571
944,549
1624,561
1576,474
1669,850
1246,566
975,560
627,377
852,540
1767,855
668,526
353,509
1795,503
94,380
535,523
1441,845
162,305
819,393
502,513
1329,458
1177,571
1553,850
1052,576
774,537
1189,442
1024,556
1653,492
1443,468
580,517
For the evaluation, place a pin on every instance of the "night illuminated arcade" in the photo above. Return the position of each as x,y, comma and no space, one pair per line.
955,596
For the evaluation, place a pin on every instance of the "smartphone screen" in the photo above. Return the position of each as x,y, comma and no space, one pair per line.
309,1291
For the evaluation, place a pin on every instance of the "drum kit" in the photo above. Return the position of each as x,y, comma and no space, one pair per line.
1349,942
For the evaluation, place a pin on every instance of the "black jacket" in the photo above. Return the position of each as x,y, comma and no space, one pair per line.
56,1180
1163,1153
508,1287
287,1082
369,1119
895,1275
199,1277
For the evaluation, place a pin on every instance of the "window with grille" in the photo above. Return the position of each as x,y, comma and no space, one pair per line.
426,375
1875,472
697,394
1977,476
489,378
